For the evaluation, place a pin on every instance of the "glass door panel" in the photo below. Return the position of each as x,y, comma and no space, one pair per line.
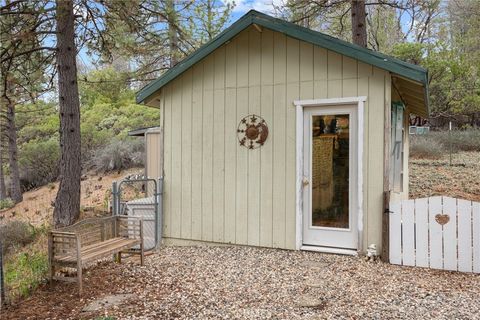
330,147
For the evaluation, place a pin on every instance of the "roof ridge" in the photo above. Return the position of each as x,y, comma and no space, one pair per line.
378,59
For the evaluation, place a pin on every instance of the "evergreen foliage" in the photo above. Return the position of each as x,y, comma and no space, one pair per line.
108,112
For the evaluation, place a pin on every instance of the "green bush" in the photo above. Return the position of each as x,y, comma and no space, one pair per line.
16,234
119,154
108,111
24,272
39,163
6,203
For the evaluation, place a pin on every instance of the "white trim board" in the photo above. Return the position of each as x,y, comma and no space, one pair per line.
329,102
299,105
348,252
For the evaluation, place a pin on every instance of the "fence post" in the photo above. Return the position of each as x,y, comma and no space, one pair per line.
450,141
114,198
2,281
159,213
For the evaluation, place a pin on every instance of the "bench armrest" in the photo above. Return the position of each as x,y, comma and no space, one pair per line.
61,243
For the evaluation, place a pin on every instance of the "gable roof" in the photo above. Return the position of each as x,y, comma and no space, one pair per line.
403,69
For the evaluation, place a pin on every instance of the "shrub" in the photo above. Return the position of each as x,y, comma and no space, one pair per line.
39,163
437,143
24,272
119,154
6,203
462,140
425,146
15,234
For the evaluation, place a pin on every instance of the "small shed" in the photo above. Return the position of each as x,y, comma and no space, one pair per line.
280,136
153,150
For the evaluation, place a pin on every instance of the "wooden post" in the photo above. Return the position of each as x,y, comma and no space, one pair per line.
102,230
51,267
386,177
385,227
79,266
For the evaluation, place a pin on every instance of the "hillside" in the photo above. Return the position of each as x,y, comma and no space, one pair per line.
37,209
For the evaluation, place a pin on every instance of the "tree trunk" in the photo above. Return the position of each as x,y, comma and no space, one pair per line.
359,25
67,203
14,187
3,188
172,32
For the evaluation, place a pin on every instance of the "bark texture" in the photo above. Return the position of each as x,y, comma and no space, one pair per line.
67,203
359,25
172,31
14,186
3,189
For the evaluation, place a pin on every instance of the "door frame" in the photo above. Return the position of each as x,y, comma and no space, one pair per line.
300,105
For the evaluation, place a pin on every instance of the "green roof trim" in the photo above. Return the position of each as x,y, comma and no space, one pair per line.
140,132
382,61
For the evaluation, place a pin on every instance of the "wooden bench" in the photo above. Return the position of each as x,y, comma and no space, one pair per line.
90,240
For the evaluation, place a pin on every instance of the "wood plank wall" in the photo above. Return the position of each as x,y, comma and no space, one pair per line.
216,190
153,154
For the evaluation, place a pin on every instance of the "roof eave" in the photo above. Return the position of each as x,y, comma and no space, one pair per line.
410,71
201,53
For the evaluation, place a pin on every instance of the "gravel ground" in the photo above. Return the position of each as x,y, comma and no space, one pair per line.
254,283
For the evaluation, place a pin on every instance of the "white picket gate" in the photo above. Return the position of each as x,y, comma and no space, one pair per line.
436,232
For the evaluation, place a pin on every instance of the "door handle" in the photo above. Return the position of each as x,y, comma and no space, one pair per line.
305,181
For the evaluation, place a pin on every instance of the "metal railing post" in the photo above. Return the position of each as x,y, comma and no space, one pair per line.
159,209
114,198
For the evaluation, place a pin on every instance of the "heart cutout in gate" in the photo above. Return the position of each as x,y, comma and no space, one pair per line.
442,219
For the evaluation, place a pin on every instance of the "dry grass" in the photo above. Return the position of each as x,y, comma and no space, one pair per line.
36,207
436,177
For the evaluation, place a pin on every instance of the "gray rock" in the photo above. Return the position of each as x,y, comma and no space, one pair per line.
307,301
106,302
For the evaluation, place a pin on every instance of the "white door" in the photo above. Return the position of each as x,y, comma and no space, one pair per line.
330,177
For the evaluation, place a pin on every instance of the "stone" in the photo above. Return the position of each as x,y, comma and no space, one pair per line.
106,302
308,301
316,283
315,264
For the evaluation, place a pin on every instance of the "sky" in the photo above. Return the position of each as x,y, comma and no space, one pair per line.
243,6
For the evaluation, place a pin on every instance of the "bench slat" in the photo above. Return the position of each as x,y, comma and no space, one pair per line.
127,244
87,249
99,249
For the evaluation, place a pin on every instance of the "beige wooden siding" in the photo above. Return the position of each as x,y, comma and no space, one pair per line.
216,190
153,153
